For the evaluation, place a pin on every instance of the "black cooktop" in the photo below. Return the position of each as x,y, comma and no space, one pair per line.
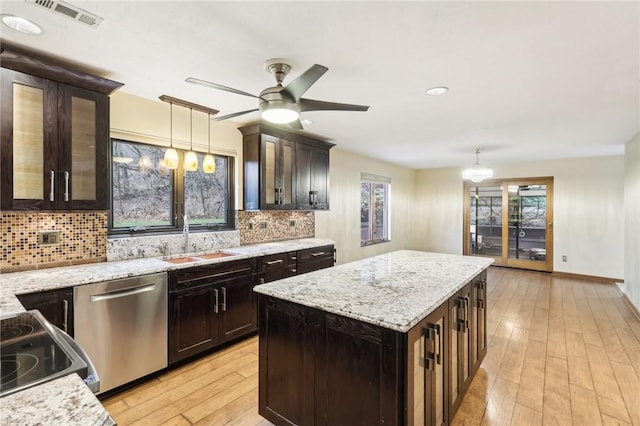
31,353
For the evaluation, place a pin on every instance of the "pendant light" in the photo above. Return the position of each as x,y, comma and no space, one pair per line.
209,162
171,155
477,173
190,158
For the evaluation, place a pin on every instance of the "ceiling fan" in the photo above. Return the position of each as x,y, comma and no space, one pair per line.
283,105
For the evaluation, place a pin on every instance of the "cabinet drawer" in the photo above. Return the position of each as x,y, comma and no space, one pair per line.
314,254
211,273
277,266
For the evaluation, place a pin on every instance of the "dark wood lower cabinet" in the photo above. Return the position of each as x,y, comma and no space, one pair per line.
210,305
55,305
318,368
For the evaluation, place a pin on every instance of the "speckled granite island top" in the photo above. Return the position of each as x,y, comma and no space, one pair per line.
394,290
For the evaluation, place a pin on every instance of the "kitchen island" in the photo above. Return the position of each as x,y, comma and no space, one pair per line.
393,339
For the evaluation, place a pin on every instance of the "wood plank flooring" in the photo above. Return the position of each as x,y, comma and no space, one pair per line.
560,352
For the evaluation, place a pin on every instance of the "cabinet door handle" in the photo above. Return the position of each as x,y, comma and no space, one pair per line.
274,262
215,307
428,354
277,196
261,280
466,313
315,198
436,329
320,253
66,186
224,299
310,198
52,179
65,316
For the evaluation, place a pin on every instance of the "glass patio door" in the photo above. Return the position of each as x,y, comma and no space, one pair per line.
511,221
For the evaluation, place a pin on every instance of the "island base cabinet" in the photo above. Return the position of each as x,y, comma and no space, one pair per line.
318,368
427,370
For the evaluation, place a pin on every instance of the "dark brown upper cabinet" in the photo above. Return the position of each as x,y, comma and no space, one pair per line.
284,170
54,137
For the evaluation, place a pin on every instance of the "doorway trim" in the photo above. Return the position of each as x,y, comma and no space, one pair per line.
504,260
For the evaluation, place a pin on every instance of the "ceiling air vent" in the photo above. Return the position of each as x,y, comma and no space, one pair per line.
70,11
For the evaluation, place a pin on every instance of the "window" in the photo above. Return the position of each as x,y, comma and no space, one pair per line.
147,197
374,209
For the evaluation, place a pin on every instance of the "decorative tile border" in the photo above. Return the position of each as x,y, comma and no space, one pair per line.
263,226
83,239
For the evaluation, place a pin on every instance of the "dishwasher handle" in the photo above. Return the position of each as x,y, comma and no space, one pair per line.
130,291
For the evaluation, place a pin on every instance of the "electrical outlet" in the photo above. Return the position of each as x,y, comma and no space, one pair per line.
263,225
564,258
250,225
292,223
47,238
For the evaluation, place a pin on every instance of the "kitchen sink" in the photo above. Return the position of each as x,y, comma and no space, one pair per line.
189,259
179,260
213,255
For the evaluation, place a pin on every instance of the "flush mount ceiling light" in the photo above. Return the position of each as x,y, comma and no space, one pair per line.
477,172
21,24
437,91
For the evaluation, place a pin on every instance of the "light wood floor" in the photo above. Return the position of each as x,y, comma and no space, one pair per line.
561,352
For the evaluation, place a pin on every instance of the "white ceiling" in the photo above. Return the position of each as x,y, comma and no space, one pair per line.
528,80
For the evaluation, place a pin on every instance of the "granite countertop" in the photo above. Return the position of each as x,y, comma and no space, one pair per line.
70,276
394,290
67,400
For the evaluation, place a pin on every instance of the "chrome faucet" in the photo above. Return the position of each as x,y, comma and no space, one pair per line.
185,232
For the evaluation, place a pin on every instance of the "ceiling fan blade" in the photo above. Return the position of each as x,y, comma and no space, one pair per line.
235,114
305,80
313,105
297,125
219,87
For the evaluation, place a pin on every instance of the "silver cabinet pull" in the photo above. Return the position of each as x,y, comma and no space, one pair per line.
65,316
274,262
320,253
224,299
66,186
261,280
215,307
310,198
52,178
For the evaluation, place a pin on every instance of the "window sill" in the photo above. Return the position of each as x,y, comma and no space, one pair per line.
370,243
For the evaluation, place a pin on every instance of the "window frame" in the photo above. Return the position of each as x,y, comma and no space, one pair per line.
177,199
372,215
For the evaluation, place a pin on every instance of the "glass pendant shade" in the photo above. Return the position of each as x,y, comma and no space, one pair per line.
209,164
191,161
477,173
145,164
171,159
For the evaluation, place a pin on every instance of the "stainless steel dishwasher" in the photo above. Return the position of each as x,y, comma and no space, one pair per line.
122,325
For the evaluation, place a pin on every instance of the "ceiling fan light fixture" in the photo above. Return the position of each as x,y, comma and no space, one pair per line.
477,173
280,115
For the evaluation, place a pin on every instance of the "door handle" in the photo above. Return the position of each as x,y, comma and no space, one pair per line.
65,315
274,262
215,307
52,179
66,186
310,198
122,293
224,299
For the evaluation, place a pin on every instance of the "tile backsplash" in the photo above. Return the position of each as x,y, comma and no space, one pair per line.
272,225
83,239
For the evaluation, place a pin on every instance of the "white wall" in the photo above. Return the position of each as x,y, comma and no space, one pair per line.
342,222
588,211
632,221
148,121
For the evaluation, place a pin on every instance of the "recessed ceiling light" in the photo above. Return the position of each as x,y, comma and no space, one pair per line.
21,24
307,122
437,91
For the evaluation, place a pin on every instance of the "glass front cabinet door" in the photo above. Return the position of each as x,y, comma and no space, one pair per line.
55,144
